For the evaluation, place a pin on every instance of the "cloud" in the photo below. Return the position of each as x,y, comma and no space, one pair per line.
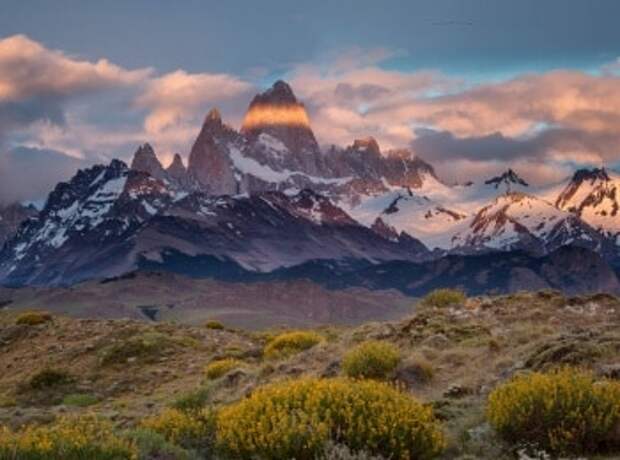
31,173
558,116
342,104
541,159
51,100
36,82
536,173
175,98
568,144
566,99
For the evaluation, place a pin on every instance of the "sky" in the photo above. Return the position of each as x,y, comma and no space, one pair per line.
473,87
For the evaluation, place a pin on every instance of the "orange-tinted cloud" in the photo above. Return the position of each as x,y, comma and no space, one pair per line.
178,97
558,116
28,69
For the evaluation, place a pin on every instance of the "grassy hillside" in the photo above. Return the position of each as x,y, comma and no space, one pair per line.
449,354
169,297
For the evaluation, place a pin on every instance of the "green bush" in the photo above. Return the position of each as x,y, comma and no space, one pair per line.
147,348
290,343
76,438
153,446
417,368
563,412
80,400
372,359
297,419
221,367
443,298
49,378
193,401
333,451
33,318
214,324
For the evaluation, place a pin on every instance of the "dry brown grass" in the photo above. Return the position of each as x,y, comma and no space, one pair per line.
477,347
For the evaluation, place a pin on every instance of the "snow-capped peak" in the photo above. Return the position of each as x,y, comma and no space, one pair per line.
594,196
517,220
508,179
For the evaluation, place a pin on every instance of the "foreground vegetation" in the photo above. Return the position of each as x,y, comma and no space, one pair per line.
531,375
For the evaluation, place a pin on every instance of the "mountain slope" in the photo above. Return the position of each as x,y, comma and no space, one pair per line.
519,221
415,214
594,196
106,219
11,217
570,269
266,198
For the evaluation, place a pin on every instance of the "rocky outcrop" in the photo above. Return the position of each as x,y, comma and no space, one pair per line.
11,217
519,221
278,114
594,196
210,162
509,180
146,161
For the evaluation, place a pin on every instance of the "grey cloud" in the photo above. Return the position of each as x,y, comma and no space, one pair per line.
36,83
30,173
444,145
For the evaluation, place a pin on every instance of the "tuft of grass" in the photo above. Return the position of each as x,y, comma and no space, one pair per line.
80,400
193,401
153,446
221,367
290,343
334,451
7,401
33,318
214,324
50,378
443,298
418,368
146,347
372,359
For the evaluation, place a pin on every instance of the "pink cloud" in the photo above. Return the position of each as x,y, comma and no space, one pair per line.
28,69
560,115
178,97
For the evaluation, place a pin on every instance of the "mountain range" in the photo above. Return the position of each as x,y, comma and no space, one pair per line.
267,202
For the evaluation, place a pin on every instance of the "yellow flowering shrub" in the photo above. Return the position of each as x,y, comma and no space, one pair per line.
297,419
372,359
187,429
77,438
290,343
564,411
443,298
221,367
33,318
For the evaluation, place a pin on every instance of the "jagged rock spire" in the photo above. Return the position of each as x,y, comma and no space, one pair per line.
177,168
369,144
277,113
214,116
145,160
509,179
